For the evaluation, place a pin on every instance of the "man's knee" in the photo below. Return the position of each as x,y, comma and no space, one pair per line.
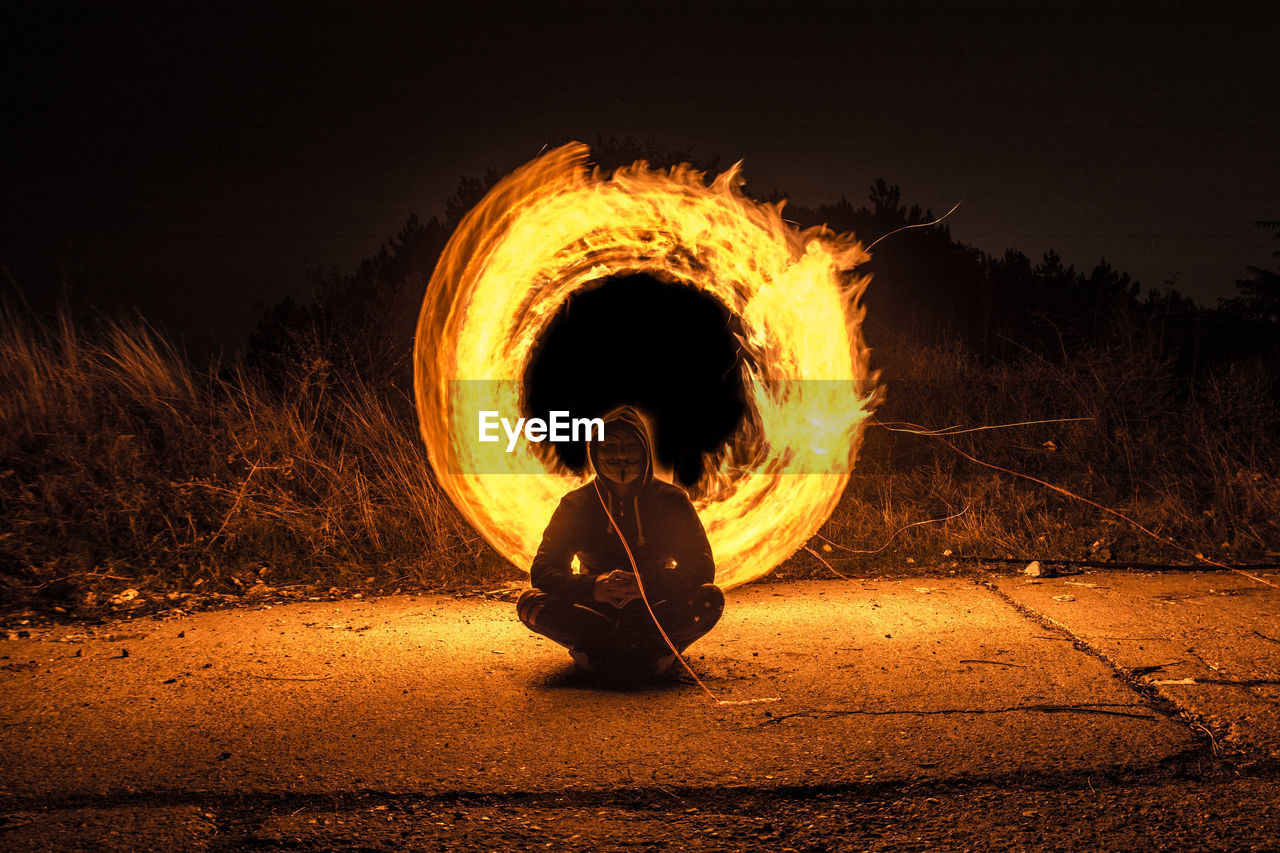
707,606
697,614
709,597
529,605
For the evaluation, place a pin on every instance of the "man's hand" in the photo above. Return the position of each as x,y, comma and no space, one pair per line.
617,588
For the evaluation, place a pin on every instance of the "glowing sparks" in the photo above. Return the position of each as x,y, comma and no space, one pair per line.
553,227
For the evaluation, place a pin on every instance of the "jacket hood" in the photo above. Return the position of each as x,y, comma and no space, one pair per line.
635,421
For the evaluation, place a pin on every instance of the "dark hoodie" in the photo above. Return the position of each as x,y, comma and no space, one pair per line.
661,526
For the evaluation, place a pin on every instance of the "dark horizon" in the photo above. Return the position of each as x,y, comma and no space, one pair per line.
196,165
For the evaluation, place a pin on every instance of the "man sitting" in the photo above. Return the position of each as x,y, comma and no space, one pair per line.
599,614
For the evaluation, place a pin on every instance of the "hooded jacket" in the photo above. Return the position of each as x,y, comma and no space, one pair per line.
662,528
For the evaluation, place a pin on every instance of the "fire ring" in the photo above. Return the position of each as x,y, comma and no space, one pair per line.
551,228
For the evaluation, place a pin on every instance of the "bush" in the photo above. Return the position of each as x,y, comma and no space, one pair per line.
118,462
1195,464
120,467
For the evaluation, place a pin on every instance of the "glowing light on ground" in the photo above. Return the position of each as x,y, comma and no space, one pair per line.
552,228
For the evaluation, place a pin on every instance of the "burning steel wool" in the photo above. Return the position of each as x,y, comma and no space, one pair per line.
554,227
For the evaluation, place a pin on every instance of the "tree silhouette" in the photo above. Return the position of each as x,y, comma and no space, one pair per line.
611,152
1259,296
926,287
362,323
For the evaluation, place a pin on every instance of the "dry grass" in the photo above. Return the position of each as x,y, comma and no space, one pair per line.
120,466
1195,464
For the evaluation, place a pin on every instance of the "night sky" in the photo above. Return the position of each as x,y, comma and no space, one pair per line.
196,163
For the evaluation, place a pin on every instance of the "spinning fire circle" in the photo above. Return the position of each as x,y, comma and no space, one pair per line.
552,228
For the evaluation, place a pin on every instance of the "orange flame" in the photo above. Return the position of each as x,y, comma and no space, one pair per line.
553,227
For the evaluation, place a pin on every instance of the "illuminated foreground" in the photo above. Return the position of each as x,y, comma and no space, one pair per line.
928,707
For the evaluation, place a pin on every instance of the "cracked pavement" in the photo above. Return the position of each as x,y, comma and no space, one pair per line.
237,728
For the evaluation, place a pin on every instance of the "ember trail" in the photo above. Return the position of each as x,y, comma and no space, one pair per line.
770,451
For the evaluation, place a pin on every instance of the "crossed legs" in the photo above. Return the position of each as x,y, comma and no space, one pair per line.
601,631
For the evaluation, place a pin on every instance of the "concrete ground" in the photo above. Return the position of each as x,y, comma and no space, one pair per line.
1096,711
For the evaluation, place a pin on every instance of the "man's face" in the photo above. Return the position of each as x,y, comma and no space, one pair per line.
621,455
